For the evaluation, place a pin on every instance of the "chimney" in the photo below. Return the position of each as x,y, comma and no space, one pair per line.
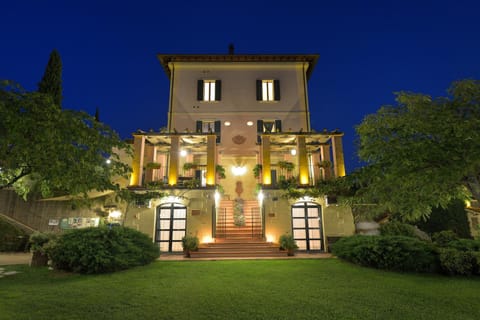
231,48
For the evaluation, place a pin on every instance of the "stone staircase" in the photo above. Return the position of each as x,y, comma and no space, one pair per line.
244,248
226,228
234,241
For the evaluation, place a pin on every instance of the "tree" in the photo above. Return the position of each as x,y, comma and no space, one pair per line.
421,153
51,82
54,151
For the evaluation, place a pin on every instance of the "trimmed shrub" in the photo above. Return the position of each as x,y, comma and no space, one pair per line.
456,262
102,249
396,253
443,238
395,228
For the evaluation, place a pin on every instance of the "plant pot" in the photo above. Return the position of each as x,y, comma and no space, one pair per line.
290,252
186,253
39,259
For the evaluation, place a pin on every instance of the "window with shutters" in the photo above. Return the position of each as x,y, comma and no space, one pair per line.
268,90
209,90
209,126
269,126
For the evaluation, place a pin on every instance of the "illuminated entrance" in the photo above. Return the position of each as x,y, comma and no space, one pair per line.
170,226
307,226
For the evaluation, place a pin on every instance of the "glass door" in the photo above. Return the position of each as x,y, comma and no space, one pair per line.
170,227
307,226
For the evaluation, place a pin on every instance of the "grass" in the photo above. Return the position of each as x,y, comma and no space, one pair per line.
257,289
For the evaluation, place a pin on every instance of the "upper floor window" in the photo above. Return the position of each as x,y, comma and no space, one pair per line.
268,90
209,90
209,126
269,126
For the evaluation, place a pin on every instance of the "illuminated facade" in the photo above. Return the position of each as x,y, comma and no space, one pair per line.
238,131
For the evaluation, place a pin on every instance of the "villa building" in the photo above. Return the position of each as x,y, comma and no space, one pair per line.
238,132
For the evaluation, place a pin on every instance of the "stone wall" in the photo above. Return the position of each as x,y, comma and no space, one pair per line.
37,213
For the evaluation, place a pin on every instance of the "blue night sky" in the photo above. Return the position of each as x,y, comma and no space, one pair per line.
368,50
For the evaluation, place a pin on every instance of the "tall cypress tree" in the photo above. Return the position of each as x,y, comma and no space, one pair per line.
51,82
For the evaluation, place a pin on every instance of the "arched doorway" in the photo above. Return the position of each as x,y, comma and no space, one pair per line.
170,226
307,226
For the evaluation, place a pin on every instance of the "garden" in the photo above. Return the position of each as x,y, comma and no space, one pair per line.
246,289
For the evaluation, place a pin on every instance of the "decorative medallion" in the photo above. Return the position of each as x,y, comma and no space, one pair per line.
238,139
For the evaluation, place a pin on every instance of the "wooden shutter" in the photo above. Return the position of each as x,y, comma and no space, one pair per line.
259,90
200,90
218,126
278,125
199,126
218,90
260,126
276,90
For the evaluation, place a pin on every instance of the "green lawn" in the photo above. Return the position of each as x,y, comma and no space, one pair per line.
261,289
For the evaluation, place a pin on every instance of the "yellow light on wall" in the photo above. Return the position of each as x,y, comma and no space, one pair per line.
270,238
172,180
239,170
250,123
207,239
116,214
304,179
183,153
217,198
260,197
267,178
227,123
293,152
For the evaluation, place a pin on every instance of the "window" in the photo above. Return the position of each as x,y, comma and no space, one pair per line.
268,90
209,90
269,126
209,126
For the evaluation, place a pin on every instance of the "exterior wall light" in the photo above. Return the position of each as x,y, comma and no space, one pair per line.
293,152
250,123
227,123
183,153
239,170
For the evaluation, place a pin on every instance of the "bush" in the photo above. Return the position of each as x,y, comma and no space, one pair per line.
456,262
102,249
465,245
12,239
453,218
288,243
190,243
395,228
443,238
388,252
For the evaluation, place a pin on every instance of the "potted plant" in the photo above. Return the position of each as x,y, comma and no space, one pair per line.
324,164
288,243
257,170
189,165
38,246
220,170
189,243
153,165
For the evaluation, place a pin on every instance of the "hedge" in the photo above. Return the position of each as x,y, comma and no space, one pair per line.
102,249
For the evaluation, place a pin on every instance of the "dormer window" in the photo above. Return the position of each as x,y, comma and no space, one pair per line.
209,90
268,90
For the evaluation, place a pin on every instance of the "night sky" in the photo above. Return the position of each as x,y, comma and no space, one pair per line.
368,50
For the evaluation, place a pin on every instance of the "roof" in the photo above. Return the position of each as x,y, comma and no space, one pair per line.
166,58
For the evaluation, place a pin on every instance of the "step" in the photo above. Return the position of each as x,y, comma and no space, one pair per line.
238,246
199,254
